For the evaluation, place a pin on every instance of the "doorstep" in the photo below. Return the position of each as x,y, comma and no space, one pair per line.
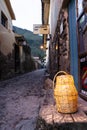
49,116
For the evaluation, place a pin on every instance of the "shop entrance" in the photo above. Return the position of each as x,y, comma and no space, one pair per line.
82,44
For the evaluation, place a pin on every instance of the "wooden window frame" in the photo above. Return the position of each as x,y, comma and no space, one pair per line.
4,20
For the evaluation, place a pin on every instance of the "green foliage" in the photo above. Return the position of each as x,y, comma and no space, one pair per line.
33,40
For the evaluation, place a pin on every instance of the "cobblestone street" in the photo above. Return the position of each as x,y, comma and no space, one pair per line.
27,103
20,101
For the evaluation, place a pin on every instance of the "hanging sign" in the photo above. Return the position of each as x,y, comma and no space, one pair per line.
40,29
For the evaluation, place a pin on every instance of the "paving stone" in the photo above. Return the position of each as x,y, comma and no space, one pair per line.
29,124
5,127
20,101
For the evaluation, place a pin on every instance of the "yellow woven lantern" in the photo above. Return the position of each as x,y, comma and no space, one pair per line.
65,93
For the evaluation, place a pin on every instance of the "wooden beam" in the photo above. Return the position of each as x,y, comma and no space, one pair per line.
46,1
10,9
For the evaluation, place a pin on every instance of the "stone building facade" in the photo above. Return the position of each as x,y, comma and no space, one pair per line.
67,43
7,39
59,57
15,53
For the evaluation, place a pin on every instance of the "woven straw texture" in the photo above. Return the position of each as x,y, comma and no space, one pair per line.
65,93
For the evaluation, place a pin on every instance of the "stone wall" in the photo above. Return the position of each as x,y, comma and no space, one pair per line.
6,66
55,6
59,51
64,51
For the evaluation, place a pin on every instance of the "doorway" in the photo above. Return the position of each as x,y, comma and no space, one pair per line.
82,44
17,58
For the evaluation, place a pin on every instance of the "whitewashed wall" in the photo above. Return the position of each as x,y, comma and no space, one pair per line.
55,6
6,35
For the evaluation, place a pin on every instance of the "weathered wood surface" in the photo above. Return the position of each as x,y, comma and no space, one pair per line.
50,115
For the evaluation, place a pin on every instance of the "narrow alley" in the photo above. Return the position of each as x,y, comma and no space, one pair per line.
20,101
27,103
32,96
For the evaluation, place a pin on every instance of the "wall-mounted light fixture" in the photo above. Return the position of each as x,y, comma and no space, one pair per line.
41,47
56,47
49,37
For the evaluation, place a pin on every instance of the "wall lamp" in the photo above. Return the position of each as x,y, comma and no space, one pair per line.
49,38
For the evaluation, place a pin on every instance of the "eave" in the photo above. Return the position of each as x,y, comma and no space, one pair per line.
46,1
10,9
45,17
45,11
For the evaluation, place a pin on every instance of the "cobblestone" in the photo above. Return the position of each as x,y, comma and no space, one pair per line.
20,101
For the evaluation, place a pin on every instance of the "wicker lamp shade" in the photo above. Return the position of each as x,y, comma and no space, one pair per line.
65,93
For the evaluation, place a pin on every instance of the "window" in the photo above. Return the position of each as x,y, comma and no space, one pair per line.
4,20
